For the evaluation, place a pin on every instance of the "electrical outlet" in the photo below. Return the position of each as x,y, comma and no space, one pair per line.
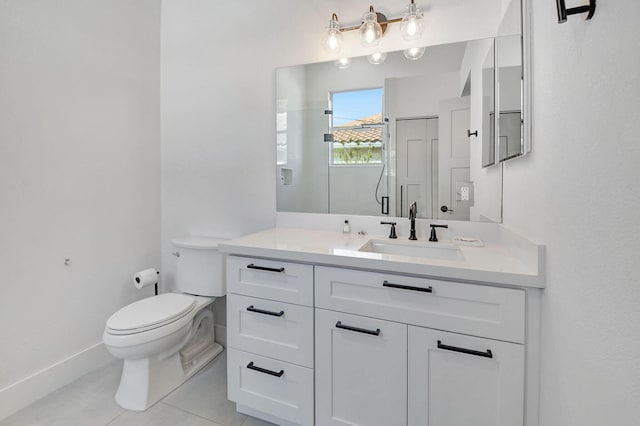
464,193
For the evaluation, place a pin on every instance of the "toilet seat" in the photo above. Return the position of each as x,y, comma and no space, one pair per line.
150,313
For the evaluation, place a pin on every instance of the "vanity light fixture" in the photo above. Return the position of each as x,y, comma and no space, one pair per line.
414,53
377,58
343,63
370,30
333,40
373,27
411,24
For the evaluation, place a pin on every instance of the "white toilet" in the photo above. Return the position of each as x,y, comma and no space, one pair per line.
165,339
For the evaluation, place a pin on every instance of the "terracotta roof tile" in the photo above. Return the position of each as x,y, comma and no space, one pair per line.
359,135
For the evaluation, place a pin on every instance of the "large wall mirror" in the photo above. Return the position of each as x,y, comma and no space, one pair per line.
363,138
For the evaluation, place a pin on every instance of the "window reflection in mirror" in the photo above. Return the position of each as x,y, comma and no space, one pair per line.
356,121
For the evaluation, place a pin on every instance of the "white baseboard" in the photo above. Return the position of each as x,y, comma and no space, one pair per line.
221,334
18,395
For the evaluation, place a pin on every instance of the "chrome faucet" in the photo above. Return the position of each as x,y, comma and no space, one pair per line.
413,212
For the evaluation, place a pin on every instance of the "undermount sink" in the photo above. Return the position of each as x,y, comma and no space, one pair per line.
413,249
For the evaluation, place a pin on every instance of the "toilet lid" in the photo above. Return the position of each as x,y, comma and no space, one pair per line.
149,313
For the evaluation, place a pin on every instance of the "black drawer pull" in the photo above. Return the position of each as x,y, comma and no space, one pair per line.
261,311
264,268
486,354
250,366
375,332
407,287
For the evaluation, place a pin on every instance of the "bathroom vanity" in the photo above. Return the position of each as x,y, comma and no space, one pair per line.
329,329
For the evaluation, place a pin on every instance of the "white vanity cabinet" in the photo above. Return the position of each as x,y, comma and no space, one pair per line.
270,339
412,372
361,370
328,345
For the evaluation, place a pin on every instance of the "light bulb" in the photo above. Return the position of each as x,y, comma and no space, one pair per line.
411,24
412,27
343,63
377,58
414,53
332,42
370,30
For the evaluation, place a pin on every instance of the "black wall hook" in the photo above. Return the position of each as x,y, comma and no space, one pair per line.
470,133
563,12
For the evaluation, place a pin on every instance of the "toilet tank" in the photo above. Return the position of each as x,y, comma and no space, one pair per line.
200,266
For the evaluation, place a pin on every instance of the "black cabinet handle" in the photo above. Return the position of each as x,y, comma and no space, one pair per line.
407,287
375,332
264,268
250,366
262,311
487,354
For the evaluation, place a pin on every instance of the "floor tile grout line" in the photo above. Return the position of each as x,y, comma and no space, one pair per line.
115,418
193,414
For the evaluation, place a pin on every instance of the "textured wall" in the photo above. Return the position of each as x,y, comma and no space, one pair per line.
79,173
577,193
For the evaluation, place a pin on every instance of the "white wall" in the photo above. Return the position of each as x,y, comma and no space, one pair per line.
79,179
291,104
577,194
353,189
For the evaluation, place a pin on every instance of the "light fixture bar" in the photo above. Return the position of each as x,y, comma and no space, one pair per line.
382,20
382,23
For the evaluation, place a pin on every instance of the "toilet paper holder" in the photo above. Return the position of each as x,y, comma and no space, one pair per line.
155,285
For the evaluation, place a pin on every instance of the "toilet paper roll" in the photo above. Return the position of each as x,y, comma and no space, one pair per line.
145,278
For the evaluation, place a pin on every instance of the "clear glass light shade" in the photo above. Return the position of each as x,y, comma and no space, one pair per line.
332,42
343,63
377,58
370,30
411,25
414,53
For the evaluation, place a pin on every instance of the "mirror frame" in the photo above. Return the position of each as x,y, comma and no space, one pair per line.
525,38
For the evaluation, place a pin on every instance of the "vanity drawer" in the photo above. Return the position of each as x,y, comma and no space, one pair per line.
273,387
271,279
274,329
493,312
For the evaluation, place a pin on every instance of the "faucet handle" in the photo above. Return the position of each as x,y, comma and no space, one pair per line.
392,234
433,237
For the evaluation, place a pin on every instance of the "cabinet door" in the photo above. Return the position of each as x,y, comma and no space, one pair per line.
361,370
459,380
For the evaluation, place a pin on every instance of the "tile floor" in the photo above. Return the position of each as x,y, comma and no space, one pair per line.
201,401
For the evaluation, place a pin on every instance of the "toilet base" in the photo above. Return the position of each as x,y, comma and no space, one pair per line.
146,381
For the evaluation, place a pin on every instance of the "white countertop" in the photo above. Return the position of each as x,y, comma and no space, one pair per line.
510,261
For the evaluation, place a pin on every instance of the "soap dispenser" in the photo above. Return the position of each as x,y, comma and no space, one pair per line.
346,229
